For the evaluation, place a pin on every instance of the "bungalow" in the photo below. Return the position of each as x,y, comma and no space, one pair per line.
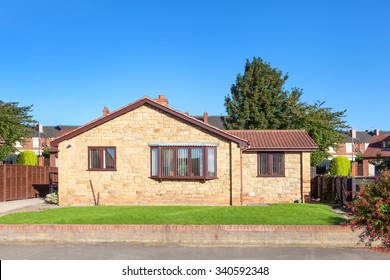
148,153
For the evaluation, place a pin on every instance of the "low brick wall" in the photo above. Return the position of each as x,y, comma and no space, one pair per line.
180,235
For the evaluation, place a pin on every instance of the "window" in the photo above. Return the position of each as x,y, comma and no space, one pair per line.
183,162
102,158
348,147
35,142
270,164
386,144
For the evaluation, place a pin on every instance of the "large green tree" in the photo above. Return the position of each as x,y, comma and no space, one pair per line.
258,100
16,124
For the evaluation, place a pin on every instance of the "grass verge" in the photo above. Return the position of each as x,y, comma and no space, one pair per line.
274,214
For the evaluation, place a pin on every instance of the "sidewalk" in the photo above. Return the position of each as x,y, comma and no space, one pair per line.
18,205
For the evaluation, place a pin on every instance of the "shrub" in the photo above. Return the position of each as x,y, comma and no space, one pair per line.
46,153
372,210
52,198
359,158
340,166
27,158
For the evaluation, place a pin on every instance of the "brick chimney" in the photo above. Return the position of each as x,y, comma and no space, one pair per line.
105,111
353,133
205,117
162,100
40,128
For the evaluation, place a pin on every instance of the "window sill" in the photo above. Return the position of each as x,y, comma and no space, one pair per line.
202,179
271,176
109,170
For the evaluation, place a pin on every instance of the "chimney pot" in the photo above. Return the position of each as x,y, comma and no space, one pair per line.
40,128
162,100
353,133
376,131
105,111
205,117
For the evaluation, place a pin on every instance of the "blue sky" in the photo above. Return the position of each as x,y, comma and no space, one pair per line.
71,58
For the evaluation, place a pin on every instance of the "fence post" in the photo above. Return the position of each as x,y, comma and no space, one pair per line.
26,183
4,182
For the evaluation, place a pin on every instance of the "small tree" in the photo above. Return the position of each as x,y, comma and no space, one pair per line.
340,166
372,210
27,158
16,124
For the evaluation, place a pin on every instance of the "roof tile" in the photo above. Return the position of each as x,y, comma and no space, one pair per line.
376,147
298,140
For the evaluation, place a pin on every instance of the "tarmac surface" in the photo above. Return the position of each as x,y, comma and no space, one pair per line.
137,252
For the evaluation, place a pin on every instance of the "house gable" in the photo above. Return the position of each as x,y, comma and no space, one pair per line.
154,104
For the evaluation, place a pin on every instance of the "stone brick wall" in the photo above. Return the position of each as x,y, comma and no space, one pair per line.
182,235
275,189
306,177
130,184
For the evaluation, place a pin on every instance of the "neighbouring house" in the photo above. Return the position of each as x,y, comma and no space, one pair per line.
355,143
377,150
148,153
39,140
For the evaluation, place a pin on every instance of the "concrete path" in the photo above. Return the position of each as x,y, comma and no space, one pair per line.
14,205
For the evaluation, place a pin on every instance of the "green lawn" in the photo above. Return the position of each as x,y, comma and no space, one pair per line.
274,214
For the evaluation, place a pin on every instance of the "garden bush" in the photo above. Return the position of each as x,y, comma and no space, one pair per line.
27,158
372,210
340,166
52,198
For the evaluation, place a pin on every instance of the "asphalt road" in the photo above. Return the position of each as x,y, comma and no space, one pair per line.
130,252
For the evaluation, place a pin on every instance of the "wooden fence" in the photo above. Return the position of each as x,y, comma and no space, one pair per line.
337,189
22,182
332,189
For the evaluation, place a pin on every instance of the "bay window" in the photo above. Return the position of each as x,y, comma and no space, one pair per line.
183,162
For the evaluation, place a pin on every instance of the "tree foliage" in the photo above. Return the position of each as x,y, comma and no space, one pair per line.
16,124
258,100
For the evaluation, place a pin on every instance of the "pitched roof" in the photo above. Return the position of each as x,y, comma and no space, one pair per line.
213,120
53,131
150,102
375,147
362,137
276,140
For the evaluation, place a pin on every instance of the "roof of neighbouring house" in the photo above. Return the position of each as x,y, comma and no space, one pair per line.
375,148
148,101
213,120
362,136
276,140
53,131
